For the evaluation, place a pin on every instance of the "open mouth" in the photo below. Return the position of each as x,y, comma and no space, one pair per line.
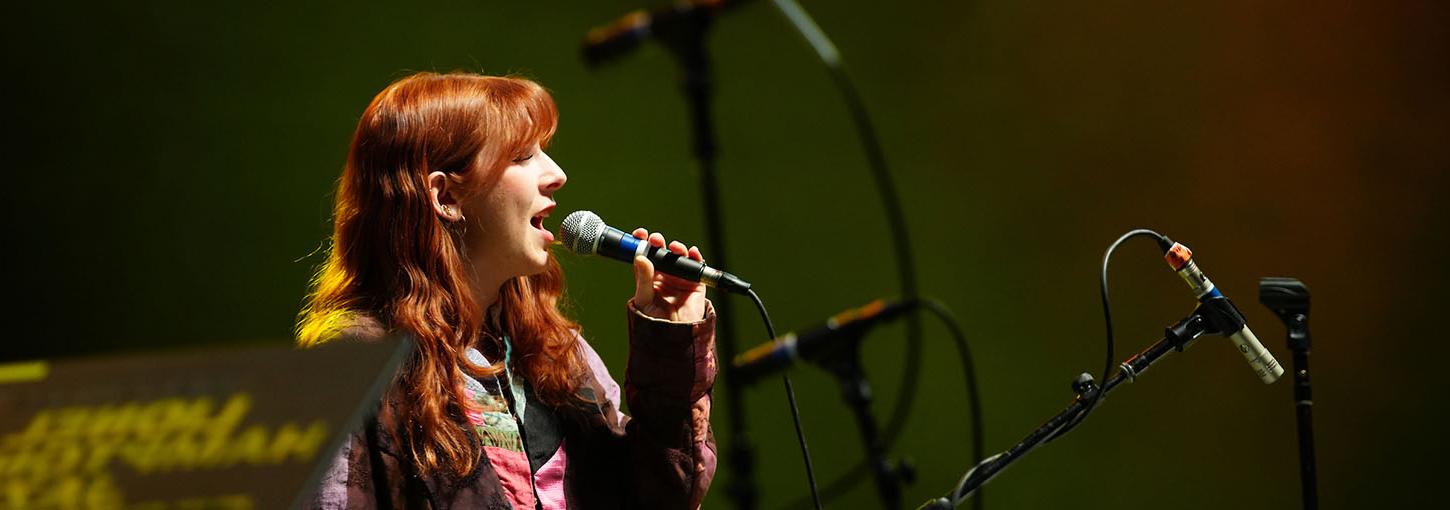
537,221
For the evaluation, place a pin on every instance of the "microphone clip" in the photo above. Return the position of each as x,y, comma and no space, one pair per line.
1288,298
1220,316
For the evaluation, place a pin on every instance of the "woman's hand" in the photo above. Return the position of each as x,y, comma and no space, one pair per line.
664,296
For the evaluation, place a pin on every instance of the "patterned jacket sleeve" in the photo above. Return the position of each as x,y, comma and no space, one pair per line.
668,381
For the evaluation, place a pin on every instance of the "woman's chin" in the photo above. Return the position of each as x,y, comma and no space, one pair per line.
539,263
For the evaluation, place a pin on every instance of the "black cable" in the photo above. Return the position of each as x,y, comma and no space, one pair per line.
1108,361
901,243
969,373
896,222
795,413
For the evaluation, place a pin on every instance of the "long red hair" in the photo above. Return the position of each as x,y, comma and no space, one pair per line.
394,260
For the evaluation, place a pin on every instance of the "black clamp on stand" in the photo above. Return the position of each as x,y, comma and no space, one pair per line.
845,364
1289,299
1214,317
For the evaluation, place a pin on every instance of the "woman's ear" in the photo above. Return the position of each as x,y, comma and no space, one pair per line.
440,193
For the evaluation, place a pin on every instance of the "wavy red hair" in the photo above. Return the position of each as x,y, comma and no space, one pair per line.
394,260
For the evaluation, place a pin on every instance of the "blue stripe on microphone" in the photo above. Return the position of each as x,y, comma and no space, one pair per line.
1211,294
628,246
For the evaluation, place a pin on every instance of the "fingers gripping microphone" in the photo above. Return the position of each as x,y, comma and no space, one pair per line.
583,232
1226,317
783,351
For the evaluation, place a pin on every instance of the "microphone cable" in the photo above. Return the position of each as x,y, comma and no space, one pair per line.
969,374
830,57
1111,356
795,413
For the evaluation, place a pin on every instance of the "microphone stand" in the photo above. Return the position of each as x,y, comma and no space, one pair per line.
845,364
1289,299
1211,317
686,41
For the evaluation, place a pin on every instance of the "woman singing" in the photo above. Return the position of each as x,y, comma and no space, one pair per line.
438,235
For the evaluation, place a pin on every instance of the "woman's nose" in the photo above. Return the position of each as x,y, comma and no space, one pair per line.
553,178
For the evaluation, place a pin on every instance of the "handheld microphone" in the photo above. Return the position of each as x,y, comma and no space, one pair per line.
583,232
780,353
1229,320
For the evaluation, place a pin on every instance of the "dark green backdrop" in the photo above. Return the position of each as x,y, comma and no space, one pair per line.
170,164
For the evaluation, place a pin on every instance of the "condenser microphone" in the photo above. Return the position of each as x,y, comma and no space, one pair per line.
1233,325
782,352
608,42
583,232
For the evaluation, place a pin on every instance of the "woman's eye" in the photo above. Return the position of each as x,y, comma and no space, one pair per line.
522,159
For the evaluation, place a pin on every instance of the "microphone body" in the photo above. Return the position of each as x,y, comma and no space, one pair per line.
1229,320
782,352
583,232
608,42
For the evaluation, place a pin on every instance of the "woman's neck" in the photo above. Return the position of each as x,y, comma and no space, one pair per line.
492,305
488,292
487,289
488,300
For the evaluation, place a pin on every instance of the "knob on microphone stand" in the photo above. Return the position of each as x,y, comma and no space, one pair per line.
1289,299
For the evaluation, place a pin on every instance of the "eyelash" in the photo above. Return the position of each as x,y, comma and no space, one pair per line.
524,158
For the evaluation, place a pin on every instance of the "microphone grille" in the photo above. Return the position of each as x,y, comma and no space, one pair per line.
580,232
